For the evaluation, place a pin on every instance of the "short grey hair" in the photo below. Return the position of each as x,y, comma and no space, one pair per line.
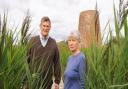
45,19
74,34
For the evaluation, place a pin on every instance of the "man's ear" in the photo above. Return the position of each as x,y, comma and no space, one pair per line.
40,25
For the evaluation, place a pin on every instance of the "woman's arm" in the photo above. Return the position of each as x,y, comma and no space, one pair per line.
82,70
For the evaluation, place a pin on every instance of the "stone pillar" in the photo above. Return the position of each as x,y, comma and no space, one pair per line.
89,28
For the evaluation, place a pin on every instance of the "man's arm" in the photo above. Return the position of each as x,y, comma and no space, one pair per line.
57,67
29,51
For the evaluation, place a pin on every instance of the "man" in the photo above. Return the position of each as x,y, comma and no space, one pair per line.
43,58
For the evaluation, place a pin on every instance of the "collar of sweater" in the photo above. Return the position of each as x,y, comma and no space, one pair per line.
43,38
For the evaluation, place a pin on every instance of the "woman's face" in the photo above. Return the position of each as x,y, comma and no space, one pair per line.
73,44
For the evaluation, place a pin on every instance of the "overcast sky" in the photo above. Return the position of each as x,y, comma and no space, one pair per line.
64,14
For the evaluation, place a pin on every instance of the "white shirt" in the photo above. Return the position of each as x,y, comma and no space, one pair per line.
43,40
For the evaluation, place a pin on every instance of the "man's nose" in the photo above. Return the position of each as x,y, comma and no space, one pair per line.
71,42
45,27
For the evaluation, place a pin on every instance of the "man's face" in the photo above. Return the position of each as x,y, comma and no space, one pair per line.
45,28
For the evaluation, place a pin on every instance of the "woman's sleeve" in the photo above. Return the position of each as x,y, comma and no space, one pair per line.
82,70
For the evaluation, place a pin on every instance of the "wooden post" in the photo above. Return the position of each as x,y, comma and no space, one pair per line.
89,28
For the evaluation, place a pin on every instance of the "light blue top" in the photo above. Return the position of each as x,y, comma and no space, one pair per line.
74,75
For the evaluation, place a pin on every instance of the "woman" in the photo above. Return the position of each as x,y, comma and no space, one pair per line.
74,75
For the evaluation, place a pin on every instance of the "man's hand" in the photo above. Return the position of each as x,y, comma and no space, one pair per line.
56,86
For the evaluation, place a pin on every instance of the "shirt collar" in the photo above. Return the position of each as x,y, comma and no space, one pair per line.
44,38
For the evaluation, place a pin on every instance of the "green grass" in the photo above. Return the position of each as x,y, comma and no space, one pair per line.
12,59
107,65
